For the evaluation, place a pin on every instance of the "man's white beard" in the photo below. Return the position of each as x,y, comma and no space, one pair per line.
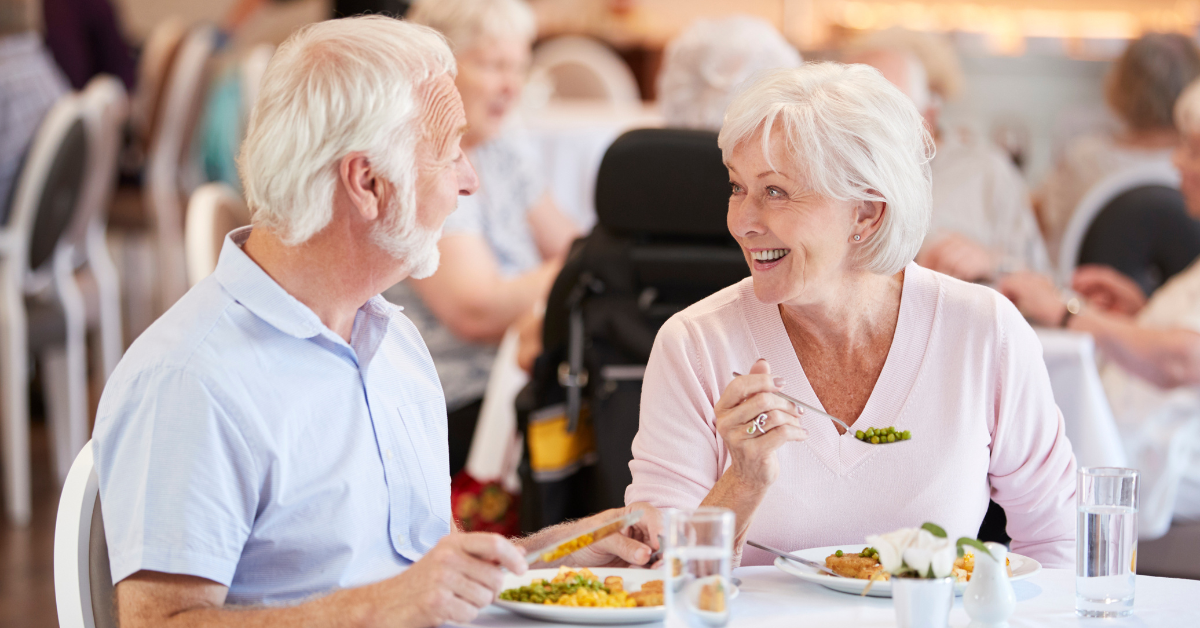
405,239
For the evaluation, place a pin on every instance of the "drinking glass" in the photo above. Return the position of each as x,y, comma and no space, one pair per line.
1106,541
697,560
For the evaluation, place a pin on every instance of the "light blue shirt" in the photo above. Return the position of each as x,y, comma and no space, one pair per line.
242,441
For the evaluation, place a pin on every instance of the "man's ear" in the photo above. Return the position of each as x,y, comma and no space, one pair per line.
363,185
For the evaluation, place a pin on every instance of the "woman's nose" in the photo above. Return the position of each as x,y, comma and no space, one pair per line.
743,218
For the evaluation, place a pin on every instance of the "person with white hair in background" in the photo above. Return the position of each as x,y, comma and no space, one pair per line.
1151,352
830,201
983,224
504,246
272,450
703,66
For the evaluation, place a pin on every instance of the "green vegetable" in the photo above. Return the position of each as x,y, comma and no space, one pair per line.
874,440
891,438
838,553
859,434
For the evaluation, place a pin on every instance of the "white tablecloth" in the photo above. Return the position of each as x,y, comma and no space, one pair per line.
1071,361
771,598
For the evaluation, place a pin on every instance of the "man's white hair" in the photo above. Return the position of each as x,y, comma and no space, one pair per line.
335,88
1187,109
854,137
466,22
703,67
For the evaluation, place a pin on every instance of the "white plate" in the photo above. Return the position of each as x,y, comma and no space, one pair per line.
1022,568
576,615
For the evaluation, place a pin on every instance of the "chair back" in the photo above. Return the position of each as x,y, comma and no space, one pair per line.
105,109
254,66
165,162
582,68
51,183
83,587
213,211
158,55
1096,199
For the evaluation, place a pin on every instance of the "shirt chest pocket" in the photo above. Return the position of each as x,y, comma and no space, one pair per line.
421,435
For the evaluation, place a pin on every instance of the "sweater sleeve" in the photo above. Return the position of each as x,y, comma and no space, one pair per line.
1032,468
676,453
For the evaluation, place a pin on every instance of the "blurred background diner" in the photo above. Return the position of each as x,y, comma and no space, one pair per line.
1065,137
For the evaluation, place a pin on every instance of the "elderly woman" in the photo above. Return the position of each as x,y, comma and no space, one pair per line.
1141,90
503,247
703,66
830,200
1152,351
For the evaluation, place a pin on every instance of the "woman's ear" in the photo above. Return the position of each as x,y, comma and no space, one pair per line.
867,218
364,187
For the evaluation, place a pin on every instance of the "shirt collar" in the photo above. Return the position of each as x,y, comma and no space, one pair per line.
257,292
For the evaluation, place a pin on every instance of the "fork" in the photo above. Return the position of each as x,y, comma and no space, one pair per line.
808,408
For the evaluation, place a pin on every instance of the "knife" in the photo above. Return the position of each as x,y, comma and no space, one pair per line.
803,561
554,552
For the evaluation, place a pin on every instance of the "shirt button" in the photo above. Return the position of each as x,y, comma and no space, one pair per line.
400,539
388,453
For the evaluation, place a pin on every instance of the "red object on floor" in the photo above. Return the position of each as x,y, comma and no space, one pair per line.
484,506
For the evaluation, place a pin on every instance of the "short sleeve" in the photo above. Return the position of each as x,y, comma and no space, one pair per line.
676,451
178,483
1032,467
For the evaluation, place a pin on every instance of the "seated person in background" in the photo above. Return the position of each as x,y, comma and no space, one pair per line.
503,248
1141,90
87,40
1152,352
982,223
30,84
702,67
830,203
277,440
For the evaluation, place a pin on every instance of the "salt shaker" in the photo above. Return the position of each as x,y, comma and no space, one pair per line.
989,599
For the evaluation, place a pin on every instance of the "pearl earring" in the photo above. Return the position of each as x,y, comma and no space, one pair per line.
857,237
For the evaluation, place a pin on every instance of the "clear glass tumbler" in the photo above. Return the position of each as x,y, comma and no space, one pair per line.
697,560
1106,541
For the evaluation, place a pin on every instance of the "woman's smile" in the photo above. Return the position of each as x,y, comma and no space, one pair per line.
766,259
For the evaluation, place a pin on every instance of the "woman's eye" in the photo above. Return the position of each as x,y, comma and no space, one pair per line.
774,192
735,188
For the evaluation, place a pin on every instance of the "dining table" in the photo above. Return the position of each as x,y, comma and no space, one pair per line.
770,598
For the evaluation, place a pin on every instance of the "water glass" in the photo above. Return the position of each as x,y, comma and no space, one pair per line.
1106,541
697,559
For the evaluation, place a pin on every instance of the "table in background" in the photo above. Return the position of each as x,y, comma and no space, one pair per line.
770,598
1071,361
571,139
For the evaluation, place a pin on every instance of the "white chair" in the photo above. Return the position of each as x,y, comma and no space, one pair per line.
585,69
83,588
213,211
106,108
41,309
166,158
254,66
1096,199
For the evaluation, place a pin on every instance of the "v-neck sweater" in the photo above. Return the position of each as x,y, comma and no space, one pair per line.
964,375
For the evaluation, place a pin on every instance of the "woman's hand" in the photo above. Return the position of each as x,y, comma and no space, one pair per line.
1108,290
754,462
1035,296
631,548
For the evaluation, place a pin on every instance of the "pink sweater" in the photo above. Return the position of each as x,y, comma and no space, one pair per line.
964,375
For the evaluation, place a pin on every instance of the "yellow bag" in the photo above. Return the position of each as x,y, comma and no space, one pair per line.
555,452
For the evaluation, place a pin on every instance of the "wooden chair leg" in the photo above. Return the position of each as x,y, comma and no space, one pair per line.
14,398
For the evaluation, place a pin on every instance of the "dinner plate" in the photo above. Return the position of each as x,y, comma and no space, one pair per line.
583,615
1022,568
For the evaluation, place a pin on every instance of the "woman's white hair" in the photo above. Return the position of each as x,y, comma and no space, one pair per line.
703,67
334,88
854,137
1187,109
465,22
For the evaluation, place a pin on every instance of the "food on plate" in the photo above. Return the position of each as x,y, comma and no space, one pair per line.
964,566
584,588
574,544
863,565
712,597
882,436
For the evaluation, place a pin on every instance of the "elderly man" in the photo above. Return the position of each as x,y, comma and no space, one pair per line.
982,224
278,437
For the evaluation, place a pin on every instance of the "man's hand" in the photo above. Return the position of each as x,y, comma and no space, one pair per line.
960,257
632,547
1035,296
459,576
1108,290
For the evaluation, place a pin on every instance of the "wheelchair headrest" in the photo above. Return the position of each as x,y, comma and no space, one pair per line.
663,182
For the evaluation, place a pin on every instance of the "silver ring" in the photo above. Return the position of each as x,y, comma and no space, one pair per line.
759,424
